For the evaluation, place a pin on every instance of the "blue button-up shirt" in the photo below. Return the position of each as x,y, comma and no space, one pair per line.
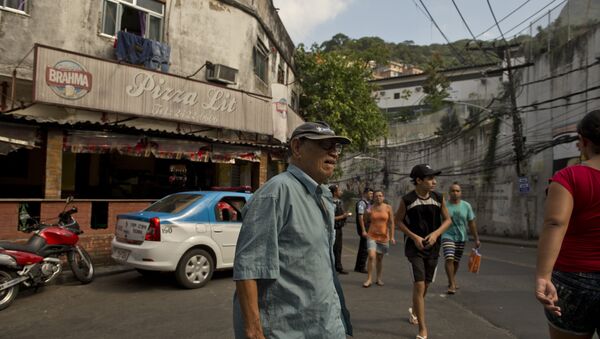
285,244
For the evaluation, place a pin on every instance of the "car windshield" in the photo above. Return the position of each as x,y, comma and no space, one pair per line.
174,203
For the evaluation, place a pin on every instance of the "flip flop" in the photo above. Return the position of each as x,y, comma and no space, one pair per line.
412,319
380,283
421,337
451,291
365,285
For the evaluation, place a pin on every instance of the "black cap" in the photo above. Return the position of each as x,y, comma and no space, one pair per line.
317,131
333,188
422,171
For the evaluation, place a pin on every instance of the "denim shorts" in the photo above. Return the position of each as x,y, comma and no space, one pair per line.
579,302
377,246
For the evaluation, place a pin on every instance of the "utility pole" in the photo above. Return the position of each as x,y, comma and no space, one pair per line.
517,124
503,53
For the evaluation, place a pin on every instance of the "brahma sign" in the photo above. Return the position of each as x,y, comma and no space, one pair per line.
65,78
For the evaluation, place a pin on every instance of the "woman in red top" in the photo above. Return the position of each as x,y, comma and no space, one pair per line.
568,263
381,233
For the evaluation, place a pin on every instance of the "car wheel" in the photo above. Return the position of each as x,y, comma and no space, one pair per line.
195,269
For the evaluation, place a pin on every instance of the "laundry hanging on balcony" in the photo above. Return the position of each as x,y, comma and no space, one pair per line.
137,50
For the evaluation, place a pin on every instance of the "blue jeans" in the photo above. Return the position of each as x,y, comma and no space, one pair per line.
579,301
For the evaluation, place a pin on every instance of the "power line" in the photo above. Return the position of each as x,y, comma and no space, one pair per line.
561,74
534,14
471,32
509,14
454,50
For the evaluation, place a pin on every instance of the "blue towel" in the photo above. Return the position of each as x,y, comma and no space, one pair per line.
132,48
159,59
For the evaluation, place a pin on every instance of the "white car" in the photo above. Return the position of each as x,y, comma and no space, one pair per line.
189,233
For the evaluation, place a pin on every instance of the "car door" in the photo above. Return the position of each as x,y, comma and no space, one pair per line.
227,224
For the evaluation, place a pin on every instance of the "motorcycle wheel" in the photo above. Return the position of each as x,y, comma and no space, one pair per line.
8,295
82,267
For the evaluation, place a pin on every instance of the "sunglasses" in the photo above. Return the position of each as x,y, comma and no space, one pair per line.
328,145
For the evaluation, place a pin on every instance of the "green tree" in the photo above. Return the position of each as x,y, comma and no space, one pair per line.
436,85
336,90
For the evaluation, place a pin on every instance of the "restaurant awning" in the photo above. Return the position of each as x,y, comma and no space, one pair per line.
15,136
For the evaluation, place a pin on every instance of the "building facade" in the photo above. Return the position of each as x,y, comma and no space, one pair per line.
120,102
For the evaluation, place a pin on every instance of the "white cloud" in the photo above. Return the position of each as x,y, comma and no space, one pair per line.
301,17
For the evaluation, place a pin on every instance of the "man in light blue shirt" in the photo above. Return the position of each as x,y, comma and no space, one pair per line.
286,284
454,239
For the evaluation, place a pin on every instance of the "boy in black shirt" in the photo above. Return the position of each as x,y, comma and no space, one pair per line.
423,217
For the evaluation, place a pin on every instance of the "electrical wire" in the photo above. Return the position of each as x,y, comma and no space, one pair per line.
561,74
458,56
534,14
506,16
496,21
471,32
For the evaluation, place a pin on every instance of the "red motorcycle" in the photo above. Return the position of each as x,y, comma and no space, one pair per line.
39,260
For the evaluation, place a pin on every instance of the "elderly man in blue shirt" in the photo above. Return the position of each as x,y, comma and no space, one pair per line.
286,284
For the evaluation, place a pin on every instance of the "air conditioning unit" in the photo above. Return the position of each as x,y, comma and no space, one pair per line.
221,73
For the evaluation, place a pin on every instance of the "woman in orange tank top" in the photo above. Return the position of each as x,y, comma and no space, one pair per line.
381,233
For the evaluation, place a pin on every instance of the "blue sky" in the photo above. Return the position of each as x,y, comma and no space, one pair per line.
310,21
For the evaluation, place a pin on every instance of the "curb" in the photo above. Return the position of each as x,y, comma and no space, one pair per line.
102,271
508,241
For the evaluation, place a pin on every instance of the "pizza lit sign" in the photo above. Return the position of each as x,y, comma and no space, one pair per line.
68,79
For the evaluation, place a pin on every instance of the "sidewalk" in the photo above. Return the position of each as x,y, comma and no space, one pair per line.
508,241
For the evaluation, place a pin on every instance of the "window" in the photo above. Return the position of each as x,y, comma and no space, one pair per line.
260,56
396,95
19,5
229,209
294,101
140,17
280,75
174,203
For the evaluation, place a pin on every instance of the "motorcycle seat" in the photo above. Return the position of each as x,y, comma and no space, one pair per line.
17,247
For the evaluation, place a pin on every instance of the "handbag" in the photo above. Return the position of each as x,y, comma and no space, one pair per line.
474,261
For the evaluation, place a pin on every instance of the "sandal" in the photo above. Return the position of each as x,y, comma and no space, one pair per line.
451,291
365,285
380,283
412,319
421,337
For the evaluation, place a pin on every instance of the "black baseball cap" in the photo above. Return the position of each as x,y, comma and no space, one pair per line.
423,171
317,131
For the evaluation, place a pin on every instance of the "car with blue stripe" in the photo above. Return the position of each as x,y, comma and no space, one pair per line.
189,233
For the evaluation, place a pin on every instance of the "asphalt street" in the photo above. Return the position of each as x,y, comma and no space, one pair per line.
496,303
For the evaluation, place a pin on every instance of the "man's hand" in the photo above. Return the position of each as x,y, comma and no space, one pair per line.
430,239
418,242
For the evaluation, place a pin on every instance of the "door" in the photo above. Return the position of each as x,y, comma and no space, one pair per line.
228,221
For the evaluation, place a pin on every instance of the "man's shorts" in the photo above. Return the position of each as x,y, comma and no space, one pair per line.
453,250
579,302
423,269
378,247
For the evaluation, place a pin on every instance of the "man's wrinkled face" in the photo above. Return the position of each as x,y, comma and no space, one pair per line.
455,193
317,158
